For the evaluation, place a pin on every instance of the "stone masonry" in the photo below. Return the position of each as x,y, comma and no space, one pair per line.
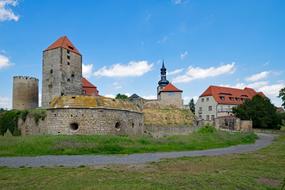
62,72
87,121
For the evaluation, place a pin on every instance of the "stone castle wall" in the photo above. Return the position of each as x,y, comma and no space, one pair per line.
25,92
85,121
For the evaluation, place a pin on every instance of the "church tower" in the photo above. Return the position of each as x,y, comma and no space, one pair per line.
62,71
163,81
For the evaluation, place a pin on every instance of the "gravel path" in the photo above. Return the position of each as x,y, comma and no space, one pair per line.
77,160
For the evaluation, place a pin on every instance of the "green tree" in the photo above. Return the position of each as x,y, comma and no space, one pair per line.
261,111
192,105
282,96
121,96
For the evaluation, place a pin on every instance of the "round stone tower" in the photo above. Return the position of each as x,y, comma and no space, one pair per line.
25,92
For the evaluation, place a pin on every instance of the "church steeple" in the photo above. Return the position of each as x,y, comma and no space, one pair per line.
163,81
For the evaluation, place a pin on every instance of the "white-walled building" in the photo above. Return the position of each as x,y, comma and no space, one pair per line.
218,101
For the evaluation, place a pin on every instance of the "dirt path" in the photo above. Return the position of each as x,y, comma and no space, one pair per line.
78,160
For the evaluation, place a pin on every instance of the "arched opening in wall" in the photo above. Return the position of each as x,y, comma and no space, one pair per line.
133,125
118,126
74,126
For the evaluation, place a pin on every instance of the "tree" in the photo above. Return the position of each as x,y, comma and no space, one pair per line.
261,111
282,96
121,97
192,105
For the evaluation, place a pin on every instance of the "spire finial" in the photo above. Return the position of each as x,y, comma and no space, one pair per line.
163,64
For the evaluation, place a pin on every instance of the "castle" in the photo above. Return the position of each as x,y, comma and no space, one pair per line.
73,104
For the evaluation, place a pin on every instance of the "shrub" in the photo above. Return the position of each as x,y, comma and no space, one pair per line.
208,128
9,119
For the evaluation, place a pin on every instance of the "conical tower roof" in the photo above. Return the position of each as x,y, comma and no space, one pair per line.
63,42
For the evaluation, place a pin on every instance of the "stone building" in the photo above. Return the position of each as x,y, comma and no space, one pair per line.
217,101
167,93
62,71
25,92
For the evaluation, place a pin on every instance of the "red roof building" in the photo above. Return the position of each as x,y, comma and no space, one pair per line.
170,88
232,96
88,88
63,42
218,101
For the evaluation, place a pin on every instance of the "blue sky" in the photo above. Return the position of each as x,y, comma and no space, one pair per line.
234,43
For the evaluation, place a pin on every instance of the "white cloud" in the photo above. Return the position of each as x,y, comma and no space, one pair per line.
183,55
258,76
87,70
7,13
175,72
4,61
132,69
149,97
110,95
272,90
5,102
178,2
194,73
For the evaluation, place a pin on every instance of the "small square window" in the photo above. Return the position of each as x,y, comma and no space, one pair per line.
68,63
202,99
208,117
68,52
207,99
210,108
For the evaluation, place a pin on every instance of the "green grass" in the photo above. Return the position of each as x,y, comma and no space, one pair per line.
111,144
261,170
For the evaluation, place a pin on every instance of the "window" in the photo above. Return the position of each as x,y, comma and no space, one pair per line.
62,94
207,99
200,108
51,71
210,108
208,117
200,116
68,52
212,117
72,75
68,80
68,63
68,57
202,99
222,97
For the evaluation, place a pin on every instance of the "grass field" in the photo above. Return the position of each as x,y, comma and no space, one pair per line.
111,144
261,170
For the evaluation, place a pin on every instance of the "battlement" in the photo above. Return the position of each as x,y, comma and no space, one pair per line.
25,78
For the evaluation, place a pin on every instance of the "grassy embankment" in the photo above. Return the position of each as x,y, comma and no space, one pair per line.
111,144
168,116
261,170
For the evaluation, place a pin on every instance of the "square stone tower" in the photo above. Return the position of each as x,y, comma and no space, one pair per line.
62,71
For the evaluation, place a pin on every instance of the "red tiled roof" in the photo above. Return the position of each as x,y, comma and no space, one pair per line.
170,88
232,96
86,83
88,88
63,42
